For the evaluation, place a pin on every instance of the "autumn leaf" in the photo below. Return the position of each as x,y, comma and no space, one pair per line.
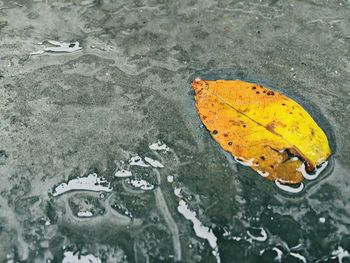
261,128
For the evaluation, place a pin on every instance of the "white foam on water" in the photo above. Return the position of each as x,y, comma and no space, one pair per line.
69,257
297,247
298,256
289,189
316,173
123,173
227,232
142,184
9,258
322,220
263,174
279,252
340,253
159,146
137,161
39,52
261,238
177,192
59,47
245,162
84,214
170,178
154,163
200,230
90,183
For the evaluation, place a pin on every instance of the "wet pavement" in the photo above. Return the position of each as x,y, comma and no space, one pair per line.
103,156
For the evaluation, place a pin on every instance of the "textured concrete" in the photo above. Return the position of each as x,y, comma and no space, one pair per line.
68,115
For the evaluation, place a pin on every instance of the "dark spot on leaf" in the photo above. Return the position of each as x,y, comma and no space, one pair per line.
230,143
283,104
215,132
244,125
270,93
253,87
262,158
225,134
257,92
291,113
271,166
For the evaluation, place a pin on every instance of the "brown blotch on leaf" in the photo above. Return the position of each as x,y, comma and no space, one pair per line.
271,126
254,87
215,132
257,92
262,158
235,123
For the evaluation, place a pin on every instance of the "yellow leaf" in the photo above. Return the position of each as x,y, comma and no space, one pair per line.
261,128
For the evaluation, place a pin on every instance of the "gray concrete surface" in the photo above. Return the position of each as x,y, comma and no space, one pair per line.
71,114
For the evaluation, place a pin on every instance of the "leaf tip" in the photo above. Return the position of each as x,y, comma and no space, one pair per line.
198,83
